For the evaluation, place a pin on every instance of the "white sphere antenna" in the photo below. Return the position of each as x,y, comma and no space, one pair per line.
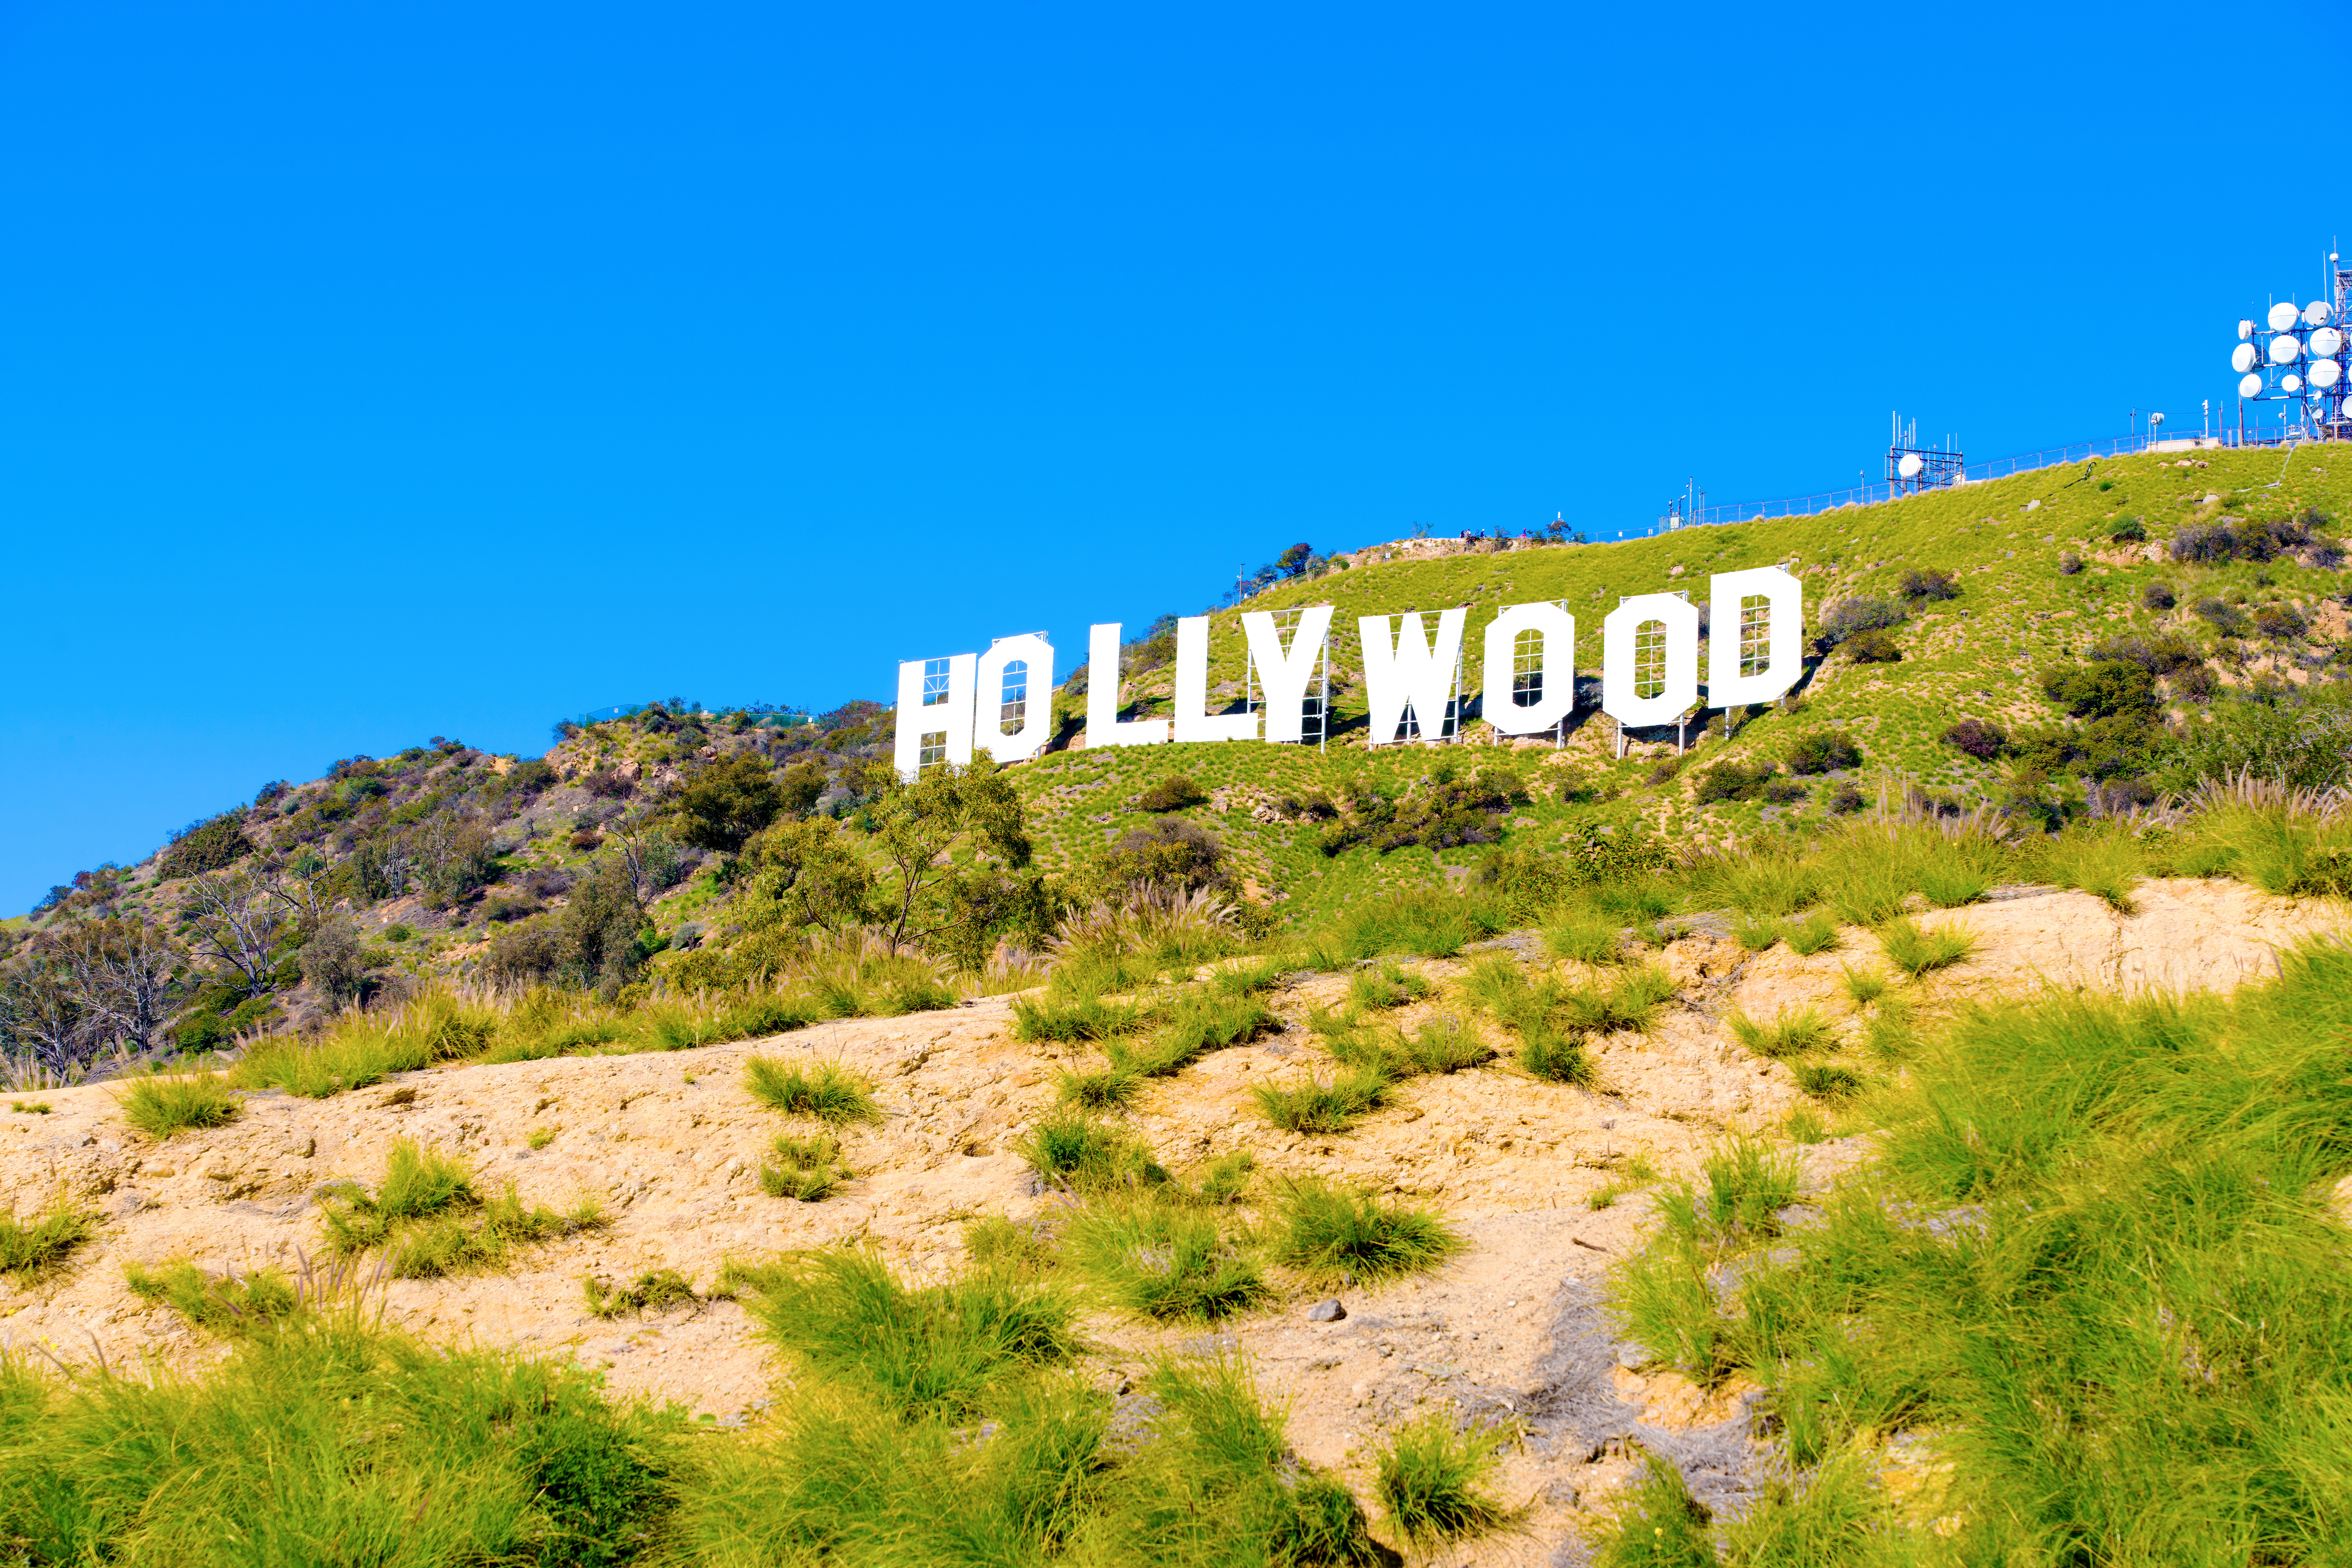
2283,315
2249,386
1910,465
2290,384
2244,358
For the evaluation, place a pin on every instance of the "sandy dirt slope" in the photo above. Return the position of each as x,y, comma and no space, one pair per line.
671,1144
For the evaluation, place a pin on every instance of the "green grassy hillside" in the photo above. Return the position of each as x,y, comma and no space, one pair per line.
1979,654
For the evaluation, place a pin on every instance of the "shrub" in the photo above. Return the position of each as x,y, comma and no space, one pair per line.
2128,530
1976,738
1930,585
2070,564
1874,647
2158,655
828,1092
1328,1232
160,1107
2100,690
1823,751
726,803
1844,800
1434,1482
208,846
1848,618
1171,853
1731,781
335,961
2159,596
2224,618
2280,622
1172,793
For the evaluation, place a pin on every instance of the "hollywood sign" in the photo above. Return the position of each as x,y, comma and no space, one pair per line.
1649,673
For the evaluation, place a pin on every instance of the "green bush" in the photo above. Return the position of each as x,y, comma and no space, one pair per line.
1172,793
1823,751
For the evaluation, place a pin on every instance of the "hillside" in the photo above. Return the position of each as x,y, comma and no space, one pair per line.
444,863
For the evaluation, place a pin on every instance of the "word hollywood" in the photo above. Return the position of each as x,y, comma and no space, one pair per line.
1649,674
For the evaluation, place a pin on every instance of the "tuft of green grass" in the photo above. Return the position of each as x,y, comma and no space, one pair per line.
996,1242
1163,1262
1829,1082
229,1303
1558,1056
806,1169
1743,1183
1916,952
2106,866
1074,1151
1582,938
1447,1043
30,1250
1804,1125
1816,932
1434,1481
1388,986
1631,1003
429,1220
540,1137
1199,1021
1084,1018
1791,1033
29,1107
931,1349
1949,883
1658,1524
828,1092
1103,1089
1865,986
1317,1106
160,1107
1755,933
655,1291
1328,1232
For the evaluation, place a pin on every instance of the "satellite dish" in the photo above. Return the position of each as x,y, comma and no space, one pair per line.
2251,386
2246,331
2244,358
2326,373
2316,313
2282,315
2326,344
2285,348
1910,465
2293,383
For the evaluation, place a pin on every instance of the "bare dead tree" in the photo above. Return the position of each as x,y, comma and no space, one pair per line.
41,1011
239,913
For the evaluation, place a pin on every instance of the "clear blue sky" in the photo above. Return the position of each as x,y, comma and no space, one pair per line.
378,371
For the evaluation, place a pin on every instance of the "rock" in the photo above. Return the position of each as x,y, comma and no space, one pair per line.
1209,1346
1632,1357
1329,1311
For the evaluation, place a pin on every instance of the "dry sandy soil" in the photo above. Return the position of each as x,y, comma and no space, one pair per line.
671,1144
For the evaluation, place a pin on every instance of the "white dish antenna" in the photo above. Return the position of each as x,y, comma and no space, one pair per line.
2246,331
2283,315
1910,465
2251,386
2316,313
2326,344
2244,358
2326,373
2290,384
2285,348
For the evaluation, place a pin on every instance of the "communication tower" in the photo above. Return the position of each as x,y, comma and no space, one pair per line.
1683,510
2301,361
1911,467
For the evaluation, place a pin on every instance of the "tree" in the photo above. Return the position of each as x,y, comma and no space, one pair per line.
238,916
123,971
603,931
799,787
41,1010
1293,561
918,826
728,802
334,961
